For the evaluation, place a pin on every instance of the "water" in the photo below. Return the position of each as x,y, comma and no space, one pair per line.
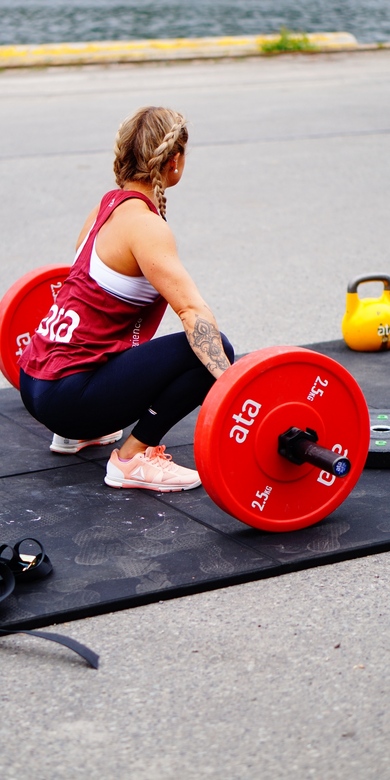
51,21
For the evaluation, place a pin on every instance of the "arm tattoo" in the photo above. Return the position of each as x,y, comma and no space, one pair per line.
206,340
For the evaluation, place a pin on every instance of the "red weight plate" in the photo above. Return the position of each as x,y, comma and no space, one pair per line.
21,310
236,437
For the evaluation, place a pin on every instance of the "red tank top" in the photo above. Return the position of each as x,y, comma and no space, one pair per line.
86,324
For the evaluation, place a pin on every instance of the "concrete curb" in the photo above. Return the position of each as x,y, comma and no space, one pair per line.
103,52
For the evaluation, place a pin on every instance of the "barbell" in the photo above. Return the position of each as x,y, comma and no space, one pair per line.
281,438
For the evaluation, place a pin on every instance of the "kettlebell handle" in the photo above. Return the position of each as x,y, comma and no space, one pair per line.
354,284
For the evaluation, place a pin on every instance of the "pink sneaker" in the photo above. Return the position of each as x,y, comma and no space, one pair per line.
151,470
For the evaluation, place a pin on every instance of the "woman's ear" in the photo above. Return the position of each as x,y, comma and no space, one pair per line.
174,162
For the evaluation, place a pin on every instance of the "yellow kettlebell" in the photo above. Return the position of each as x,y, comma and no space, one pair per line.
366,322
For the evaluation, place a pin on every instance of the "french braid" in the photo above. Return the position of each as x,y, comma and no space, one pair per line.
144,144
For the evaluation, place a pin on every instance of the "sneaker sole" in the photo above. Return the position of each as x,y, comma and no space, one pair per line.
127,483
73,449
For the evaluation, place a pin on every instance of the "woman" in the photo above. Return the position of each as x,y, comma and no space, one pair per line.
92,366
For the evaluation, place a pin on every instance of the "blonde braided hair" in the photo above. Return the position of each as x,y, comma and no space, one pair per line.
144,144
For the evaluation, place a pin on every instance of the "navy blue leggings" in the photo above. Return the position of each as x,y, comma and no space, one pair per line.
156,384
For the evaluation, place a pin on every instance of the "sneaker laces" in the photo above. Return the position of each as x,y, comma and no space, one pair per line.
158,456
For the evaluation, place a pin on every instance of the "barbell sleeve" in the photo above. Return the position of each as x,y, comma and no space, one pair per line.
327,460
300,447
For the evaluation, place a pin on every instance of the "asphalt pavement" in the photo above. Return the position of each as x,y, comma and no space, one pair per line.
283,201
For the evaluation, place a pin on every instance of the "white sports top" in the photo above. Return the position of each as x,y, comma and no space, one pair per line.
134,289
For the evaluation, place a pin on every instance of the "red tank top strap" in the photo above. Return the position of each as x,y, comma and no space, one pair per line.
113,199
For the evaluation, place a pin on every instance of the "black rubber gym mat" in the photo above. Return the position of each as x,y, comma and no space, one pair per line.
113,549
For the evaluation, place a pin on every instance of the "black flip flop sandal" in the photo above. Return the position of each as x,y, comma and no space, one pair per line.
27,565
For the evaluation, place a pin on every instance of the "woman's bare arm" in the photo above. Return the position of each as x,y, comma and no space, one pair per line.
154,248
